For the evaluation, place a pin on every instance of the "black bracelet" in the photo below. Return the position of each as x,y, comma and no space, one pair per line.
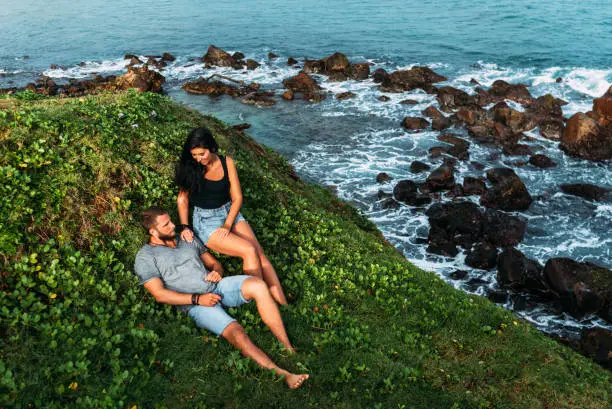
198,299
193,299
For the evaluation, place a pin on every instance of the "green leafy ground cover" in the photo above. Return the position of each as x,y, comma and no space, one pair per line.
372,330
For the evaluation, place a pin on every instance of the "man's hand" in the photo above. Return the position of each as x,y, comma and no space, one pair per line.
187,235
209,299
213,277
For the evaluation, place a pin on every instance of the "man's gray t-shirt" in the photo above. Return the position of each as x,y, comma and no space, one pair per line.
180,268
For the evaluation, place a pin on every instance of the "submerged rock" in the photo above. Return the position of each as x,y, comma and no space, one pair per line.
542,161
590,192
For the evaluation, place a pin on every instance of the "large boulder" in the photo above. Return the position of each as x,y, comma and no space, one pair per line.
413,123
582,287
516,92
304,84
456,218
518,272
459,147
597,343
407,80
203,86
583,137
602,109
508,192
143,79
451,99
482,256
441,178
502,229
407,191
218,57
360,71
590,192
337,62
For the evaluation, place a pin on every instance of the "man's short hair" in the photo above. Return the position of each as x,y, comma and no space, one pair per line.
149,217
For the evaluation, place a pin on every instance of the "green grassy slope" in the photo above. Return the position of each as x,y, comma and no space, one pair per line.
372,330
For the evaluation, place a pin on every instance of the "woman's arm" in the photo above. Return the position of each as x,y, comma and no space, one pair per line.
235,194
182,202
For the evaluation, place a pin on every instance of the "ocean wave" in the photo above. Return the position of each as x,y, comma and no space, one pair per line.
88,69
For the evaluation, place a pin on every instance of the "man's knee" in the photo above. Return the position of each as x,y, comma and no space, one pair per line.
233,332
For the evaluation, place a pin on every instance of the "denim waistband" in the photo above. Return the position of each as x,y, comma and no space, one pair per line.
218,210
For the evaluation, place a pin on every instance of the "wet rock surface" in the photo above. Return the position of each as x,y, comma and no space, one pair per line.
590,192
507,192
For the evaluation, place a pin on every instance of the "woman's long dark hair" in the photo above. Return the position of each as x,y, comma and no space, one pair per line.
189,173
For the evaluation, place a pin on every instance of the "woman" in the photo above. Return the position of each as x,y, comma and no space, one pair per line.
209,182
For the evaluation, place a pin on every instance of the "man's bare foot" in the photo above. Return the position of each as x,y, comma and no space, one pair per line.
294,381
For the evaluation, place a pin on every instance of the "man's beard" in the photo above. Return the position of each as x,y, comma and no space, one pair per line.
166,237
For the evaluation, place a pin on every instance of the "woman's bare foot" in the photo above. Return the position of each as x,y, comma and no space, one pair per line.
294,381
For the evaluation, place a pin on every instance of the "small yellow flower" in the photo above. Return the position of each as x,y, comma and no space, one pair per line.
515,323
73,386
134,407
53,296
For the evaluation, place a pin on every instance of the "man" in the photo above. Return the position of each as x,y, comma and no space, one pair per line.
175,272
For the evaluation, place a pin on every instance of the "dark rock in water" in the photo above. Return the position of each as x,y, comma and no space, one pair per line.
383,195
517,150
414,123
251,64
439,124
258,98
218,57
458,274
508,191
446,249
552,129
473,186
457,217
590,192
359,71
237,56
473,81
518,272
460,146
583,137
384,98
143,79
450,162
272,56
417,167
515,92
482,256
134,61
407,191
383,177
304,84
498,296
432,112
314,66
82,64
515,120
583,288
502,229
337,62
202,86
287,95
558,80
379,75
337,76
481,133
168,57
291,61
597,344
345,95
602,109
409,102
442,178
407,80
451,99
437,151
389,203
455,191
476,166
542,161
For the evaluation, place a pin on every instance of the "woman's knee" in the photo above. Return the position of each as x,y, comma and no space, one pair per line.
250,252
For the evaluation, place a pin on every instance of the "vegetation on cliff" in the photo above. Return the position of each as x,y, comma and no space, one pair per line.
372,330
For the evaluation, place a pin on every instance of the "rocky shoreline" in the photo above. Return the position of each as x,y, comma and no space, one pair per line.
485,232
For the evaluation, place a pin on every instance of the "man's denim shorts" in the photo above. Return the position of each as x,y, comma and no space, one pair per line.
207,221
214,318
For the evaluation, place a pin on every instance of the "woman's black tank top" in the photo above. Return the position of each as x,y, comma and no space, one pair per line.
213,193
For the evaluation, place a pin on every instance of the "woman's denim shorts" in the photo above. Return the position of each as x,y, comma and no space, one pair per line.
207,221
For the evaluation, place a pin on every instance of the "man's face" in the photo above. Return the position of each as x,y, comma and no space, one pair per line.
164,228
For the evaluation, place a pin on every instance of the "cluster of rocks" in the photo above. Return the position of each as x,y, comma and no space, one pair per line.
141,78
216,57
158,61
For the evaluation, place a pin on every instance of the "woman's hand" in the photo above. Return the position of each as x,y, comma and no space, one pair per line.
187,234
209,299
223,232
213,277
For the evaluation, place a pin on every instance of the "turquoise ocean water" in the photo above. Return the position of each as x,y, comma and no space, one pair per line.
345,144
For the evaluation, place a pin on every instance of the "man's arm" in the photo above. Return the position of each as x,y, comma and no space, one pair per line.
162,295
211,263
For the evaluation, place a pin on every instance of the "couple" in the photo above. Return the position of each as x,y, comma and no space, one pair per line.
181,271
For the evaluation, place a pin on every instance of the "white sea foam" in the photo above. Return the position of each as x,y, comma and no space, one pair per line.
90,68
589,81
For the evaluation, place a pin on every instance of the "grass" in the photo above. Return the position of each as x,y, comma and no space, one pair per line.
373,330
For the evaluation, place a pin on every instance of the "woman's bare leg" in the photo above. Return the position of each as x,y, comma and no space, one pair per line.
243,230
235,246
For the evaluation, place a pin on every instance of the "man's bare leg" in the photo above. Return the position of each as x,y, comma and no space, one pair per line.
236,336
256,289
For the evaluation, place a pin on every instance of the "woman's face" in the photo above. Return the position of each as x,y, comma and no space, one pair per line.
201,155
